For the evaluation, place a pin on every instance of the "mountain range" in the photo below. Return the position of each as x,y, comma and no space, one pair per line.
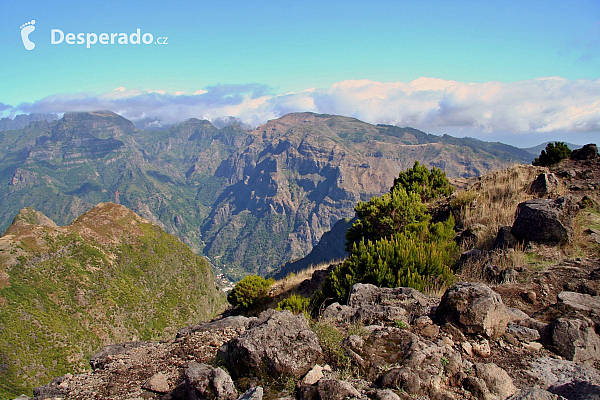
250,200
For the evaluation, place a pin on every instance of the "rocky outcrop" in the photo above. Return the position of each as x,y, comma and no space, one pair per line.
277,343
545,220
505,239
475,308
576,340
571,380
368,304
587,152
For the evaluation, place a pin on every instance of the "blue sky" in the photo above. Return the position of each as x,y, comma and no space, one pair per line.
255,59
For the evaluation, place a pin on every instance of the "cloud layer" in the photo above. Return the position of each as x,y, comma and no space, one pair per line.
539,105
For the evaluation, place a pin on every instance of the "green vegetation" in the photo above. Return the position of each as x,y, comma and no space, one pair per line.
400,324
392,242
553,154
331,341
107,278
295,303
250,292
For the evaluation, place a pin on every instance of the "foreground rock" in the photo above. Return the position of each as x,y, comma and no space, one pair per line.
277,343
475,308
207,382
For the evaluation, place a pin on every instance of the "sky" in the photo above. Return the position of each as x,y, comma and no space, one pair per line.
520,72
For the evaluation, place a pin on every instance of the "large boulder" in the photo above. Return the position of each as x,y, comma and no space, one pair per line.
587,152
475,309
277,343
569,379
375,303
205,382
497,381
534,393
545,220
575,339
505,239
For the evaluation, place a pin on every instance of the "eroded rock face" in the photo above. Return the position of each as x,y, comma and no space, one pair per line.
567,378
474,308
205,382
545,220
277,343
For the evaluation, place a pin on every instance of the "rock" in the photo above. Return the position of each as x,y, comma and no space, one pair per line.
333,389
522,333
587,152
477,387
529,296
471,236
206,382
277,343
575,340
505,239
338,312
496,379
582,304
544,184
533,346
453,332
545,221
535,394
104,356
255,393
430,331
313,376
236,322
22,397
386,394
482,348
157,383
401,378
467,348
474,308
389,304
569,379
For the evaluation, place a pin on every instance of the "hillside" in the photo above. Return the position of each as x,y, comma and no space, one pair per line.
109,276
250,200
520,322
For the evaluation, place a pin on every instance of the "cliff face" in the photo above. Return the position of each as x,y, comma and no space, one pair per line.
109,276
250,200
304,172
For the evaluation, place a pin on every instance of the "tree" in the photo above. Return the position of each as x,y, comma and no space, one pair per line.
429,184
251,291
553,154
384,216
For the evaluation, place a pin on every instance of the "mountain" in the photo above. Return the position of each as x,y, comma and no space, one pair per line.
536,150
23,120
108,276
249,200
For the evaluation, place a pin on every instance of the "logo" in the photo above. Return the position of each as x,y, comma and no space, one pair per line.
26,29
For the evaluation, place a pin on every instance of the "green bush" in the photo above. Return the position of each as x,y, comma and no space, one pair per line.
251,291
295,303
428,184
554,153
382,217
421,256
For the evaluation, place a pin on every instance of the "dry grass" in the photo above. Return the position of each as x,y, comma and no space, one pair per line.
288,286
493,199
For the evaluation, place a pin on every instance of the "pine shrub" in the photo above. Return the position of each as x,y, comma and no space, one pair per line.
553,154
250,292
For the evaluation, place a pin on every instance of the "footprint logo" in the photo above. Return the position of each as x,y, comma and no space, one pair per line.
26,29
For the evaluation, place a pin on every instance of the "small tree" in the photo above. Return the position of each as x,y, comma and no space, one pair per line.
251,291
554,153
429,184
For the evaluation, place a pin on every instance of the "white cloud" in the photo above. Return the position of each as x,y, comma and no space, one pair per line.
549,104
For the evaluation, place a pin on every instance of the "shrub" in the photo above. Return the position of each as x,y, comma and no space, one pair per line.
382,217
251,291
331,341
295,303
553,154
429,185
420,257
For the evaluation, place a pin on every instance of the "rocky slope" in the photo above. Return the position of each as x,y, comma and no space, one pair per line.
107,277
525,327
261,198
